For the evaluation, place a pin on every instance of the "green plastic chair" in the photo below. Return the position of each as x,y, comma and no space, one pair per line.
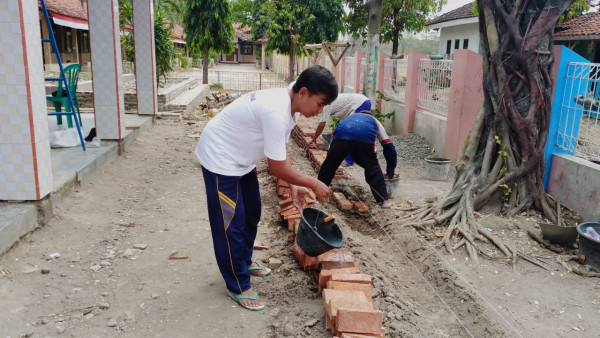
72,74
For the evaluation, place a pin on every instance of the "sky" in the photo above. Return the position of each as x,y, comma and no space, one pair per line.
453,4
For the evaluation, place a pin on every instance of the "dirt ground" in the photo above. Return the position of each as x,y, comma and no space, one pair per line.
114,277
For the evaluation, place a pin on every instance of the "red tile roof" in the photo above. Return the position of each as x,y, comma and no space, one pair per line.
177,31
73,8
581,26
463,12
242,33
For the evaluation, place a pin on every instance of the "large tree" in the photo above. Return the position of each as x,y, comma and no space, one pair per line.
208,26
292,24
504,155
398,16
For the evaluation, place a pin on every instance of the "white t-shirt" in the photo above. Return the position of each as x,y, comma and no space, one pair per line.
256,125
344,105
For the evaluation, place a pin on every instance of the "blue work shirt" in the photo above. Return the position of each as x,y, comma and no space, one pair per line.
357,127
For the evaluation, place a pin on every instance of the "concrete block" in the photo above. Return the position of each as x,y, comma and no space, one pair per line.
16,220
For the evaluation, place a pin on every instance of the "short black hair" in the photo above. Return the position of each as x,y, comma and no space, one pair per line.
318,80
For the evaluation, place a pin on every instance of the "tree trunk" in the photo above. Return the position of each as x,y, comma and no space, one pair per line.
395,31
504,156
292,62
205,51
375,12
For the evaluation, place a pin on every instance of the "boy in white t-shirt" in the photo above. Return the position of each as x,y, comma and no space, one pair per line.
256,125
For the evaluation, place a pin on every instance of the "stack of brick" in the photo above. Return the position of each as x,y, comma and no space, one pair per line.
347,297
346,292
287,210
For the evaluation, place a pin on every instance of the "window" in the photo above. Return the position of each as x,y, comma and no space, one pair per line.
68,41
84,41
457,44
246,49
466,44
448,46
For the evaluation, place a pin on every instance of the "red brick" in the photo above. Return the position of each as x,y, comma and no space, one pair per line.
341,201
360,206
286,202
336,255
286,209
351,277
345,286
334,299
294,216
328,323
325,275
336,259
357,320
307,262
310,263
282,183
359,335
307,131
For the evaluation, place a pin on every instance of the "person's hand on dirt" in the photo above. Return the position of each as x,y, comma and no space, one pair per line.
390,176
299,196
321,190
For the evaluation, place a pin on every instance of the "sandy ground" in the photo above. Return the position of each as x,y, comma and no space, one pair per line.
114,277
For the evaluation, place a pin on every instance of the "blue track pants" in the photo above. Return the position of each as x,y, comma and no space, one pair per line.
234,211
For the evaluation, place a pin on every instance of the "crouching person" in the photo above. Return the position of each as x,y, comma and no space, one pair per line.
355,136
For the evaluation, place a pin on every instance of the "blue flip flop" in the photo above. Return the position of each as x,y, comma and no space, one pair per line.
259,267
238,297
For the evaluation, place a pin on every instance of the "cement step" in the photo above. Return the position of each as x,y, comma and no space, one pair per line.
16,220
189,100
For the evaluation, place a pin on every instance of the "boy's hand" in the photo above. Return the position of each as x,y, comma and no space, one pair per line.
321,190
299,196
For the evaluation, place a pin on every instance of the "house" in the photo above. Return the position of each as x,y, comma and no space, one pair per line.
244,47
581,34
69,20
459,29
178,38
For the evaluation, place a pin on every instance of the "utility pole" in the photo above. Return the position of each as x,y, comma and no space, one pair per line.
375,8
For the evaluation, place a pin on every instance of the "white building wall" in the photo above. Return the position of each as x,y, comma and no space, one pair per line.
467,31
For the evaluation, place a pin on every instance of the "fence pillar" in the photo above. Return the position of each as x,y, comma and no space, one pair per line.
410,96
341,74
379,74
466,97
562,56
357,61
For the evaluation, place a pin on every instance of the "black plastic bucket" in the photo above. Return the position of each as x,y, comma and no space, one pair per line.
315,236
588,246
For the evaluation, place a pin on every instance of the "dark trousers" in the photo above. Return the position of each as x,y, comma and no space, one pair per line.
233,212
364,155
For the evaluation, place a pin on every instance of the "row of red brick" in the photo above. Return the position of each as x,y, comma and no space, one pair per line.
347,297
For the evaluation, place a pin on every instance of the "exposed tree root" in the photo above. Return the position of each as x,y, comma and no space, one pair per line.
504,156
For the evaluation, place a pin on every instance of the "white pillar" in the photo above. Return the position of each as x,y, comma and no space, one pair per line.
105,45
145,58
25,165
